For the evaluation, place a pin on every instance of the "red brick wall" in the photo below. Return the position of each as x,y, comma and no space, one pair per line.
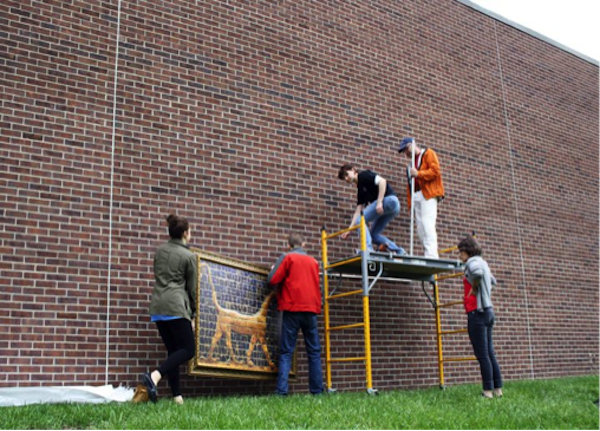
238,115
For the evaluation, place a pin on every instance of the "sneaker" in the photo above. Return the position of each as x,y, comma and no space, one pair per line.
358,250
384,249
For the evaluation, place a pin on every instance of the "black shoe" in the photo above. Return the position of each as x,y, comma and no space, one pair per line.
147,380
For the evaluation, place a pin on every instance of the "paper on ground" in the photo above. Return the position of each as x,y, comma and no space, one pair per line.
63,394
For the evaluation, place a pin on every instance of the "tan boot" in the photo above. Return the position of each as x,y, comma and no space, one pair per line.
140,395
487,394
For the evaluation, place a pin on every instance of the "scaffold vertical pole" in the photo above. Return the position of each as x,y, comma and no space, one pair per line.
438,327
326,309
366,316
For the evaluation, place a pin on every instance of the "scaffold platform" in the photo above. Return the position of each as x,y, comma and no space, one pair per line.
393,266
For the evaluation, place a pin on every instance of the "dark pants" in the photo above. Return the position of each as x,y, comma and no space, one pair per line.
480,327
178,337
291,323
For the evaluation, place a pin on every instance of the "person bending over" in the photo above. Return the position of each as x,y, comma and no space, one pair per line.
379,204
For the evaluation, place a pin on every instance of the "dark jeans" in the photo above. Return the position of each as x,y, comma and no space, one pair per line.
291,323
178,337
480,325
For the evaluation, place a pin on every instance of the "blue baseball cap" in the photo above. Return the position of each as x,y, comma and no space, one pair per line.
404,143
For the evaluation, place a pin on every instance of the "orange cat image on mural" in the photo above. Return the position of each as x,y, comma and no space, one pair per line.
229,321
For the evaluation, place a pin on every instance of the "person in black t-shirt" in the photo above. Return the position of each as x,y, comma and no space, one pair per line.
378,203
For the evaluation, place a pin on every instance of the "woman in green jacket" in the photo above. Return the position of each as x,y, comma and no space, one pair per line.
173,305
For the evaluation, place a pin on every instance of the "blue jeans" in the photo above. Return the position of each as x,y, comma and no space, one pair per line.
291,323
480,326
391,208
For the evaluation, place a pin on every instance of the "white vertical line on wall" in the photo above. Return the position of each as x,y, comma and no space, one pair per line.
515,198
112,180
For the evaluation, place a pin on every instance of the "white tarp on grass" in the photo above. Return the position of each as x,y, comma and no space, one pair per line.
63,394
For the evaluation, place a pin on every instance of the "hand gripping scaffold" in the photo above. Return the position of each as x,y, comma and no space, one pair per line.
371,267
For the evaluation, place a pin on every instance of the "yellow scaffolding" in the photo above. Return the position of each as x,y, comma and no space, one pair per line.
438,321
370,267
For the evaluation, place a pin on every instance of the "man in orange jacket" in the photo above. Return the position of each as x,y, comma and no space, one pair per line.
429,190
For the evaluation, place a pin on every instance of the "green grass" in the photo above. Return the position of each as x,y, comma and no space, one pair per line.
566,403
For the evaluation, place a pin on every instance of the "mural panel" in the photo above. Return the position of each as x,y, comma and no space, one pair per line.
237,324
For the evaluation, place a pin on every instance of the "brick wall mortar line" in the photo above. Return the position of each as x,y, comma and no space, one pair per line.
515,197
112,182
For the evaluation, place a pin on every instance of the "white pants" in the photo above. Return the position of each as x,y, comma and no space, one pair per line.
425,218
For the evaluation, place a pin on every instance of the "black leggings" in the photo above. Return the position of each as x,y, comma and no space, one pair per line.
480,325
178,337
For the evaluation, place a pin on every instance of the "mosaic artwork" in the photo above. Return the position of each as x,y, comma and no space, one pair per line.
237,324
